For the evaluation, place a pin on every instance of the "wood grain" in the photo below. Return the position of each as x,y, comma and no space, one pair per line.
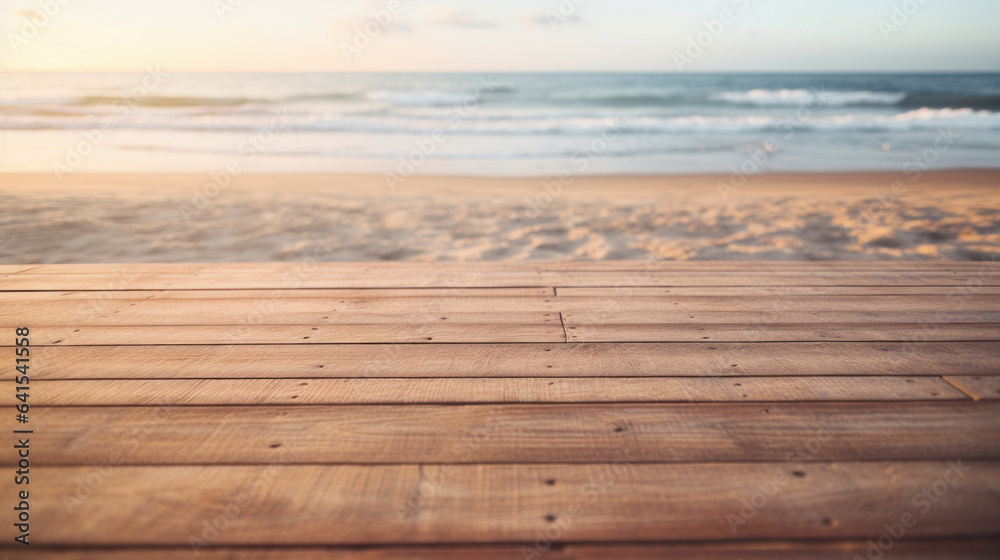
485,295
518,360
251,312
912,549
437,278
469,410
785,316
901,309
479,390
783,332
504,310
545,329
777,305
537,328
782,291
514,433
334,294
281,504
489,267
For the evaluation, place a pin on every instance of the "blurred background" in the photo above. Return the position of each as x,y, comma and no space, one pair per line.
221,130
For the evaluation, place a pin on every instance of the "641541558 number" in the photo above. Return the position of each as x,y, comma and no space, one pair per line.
22,382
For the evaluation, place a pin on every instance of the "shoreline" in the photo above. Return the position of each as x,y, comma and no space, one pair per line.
766,184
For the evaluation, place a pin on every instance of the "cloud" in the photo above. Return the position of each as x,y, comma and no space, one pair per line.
547,18
449,15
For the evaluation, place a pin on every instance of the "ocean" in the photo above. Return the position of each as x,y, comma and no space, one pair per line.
497,124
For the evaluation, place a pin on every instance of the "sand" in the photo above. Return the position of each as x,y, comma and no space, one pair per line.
189,218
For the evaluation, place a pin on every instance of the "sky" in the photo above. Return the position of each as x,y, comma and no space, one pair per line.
497,36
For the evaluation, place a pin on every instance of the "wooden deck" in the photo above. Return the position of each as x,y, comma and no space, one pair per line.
571,411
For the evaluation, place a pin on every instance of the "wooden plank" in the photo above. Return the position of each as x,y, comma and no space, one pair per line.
482,390
544,329
778,304
340,278
333,294
281,504
910,549
40,312
567,295
769,317
978,387
780,291
782,332
517,360
489,267
263,312
513,433
291,310
15,268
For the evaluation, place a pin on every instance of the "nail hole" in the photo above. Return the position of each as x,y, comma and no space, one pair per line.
305,338
550,518
551,482
799,474
275,445
619,429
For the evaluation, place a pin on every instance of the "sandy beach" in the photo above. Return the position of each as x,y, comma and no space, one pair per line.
287,217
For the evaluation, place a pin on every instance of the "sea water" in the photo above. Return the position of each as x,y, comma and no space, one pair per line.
497,124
